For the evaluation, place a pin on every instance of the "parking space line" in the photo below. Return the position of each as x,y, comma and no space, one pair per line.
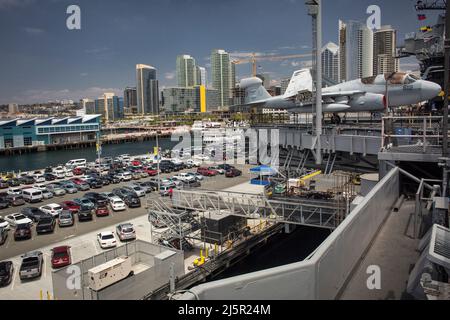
95,246
16,271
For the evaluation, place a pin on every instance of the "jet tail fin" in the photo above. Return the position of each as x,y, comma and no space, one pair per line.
254,90
301,81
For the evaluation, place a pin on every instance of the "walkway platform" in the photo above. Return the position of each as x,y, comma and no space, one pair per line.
394,251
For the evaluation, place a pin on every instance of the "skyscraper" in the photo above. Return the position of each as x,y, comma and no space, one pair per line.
330,61
109,106
356,50
223,75
186,71
130,99
88,106
147,90
384,44
201,79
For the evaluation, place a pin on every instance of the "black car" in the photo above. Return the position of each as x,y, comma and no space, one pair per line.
97,199
4,203
34,213
178,166
22,231
46,225
3,235
48,170
95,183
6,273
132,201
49,176
111,179
225,166
105,181
85,214
14,182
27,180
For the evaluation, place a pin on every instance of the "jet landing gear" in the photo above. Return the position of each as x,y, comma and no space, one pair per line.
335,119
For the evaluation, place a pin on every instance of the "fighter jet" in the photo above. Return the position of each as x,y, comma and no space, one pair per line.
366,94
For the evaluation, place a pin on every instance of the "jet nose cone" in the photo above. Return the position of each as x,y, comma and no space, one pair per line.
430,90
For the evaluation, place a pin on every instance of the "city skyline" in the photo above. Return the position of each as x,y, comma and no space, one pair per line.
54,63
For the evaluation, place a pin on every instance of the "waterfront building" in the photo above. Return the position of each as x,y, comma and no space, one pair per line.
19,133
13,108
223,75
384,51
147,90
193,99
110,107
330,61
284,85
87,106
130,100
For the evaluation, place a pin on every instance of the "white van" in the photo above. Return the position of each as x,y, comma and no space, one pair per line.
76,163
32,195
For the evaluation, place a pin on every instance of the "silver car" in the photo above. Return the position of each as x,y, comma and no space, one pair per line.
66,219
47,194
56,190
126,232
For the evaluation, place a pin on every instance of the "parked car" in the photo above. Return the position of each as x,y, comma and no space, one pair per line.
217,169
112,178
101,211
97,198
6,273
117,204
14,182
69,187
31,266
192,184
106,239
61,257
4,184
52,209
84,202
47,195
85,214
4,224
70,206
165,191
225,166
136,189
147,186
27,180
46,225
95,183
126,231
49,176
33,213
124,176
66,219
15,200
150,171
3,235
196,176
56,190
78,171
22,232
4,203
206,172
16,219
132,201
233,173
15,192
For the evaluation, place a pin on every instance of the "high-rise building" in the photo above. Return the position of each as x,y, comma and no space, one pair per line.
201,79
87,106
130,99
190,99
109,106
13,108
356,50
147,90
223,75
384,51
330,61
284,85
186,71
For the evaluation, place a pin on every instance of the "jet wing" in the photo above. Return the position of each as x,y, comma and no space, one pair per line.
341,93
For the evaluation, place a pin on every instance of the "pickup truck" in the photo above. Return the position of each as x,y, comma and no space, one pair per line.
31,266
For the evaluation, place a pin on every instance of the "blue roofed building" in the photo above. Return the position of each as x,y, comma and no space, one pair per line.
20,133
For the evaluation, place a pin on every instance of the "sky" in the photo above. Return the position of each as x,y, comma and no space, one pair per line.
42,60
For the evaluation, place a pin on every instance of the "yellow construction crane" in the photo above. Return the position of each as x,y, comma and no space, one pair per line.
255,58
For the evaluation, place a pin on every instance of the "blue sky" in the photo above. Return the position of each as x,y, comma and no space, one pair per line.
41,60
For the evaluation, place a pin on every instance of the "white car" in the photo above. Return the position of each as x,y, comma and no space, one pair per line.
140,192
39,178
18,218
69,174
40,186
52,209
15,191
185,177
59,172
117,204
4,224
106,239
193,163
124,176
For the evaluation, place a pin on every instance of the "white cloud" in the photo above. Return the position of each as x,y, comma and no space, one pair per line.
169,75
37,96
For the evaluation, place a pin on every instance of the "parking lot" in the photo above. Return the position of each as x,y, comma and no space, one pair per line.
82,236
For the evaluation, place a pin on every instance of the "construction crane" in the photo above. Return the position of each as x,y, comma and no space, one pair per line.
255,58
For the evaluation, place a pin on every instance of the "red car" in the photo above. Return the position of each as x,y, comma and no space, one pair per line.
206,172
102,211
151,172
78,181
136,163
61,257
78,171
71,206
